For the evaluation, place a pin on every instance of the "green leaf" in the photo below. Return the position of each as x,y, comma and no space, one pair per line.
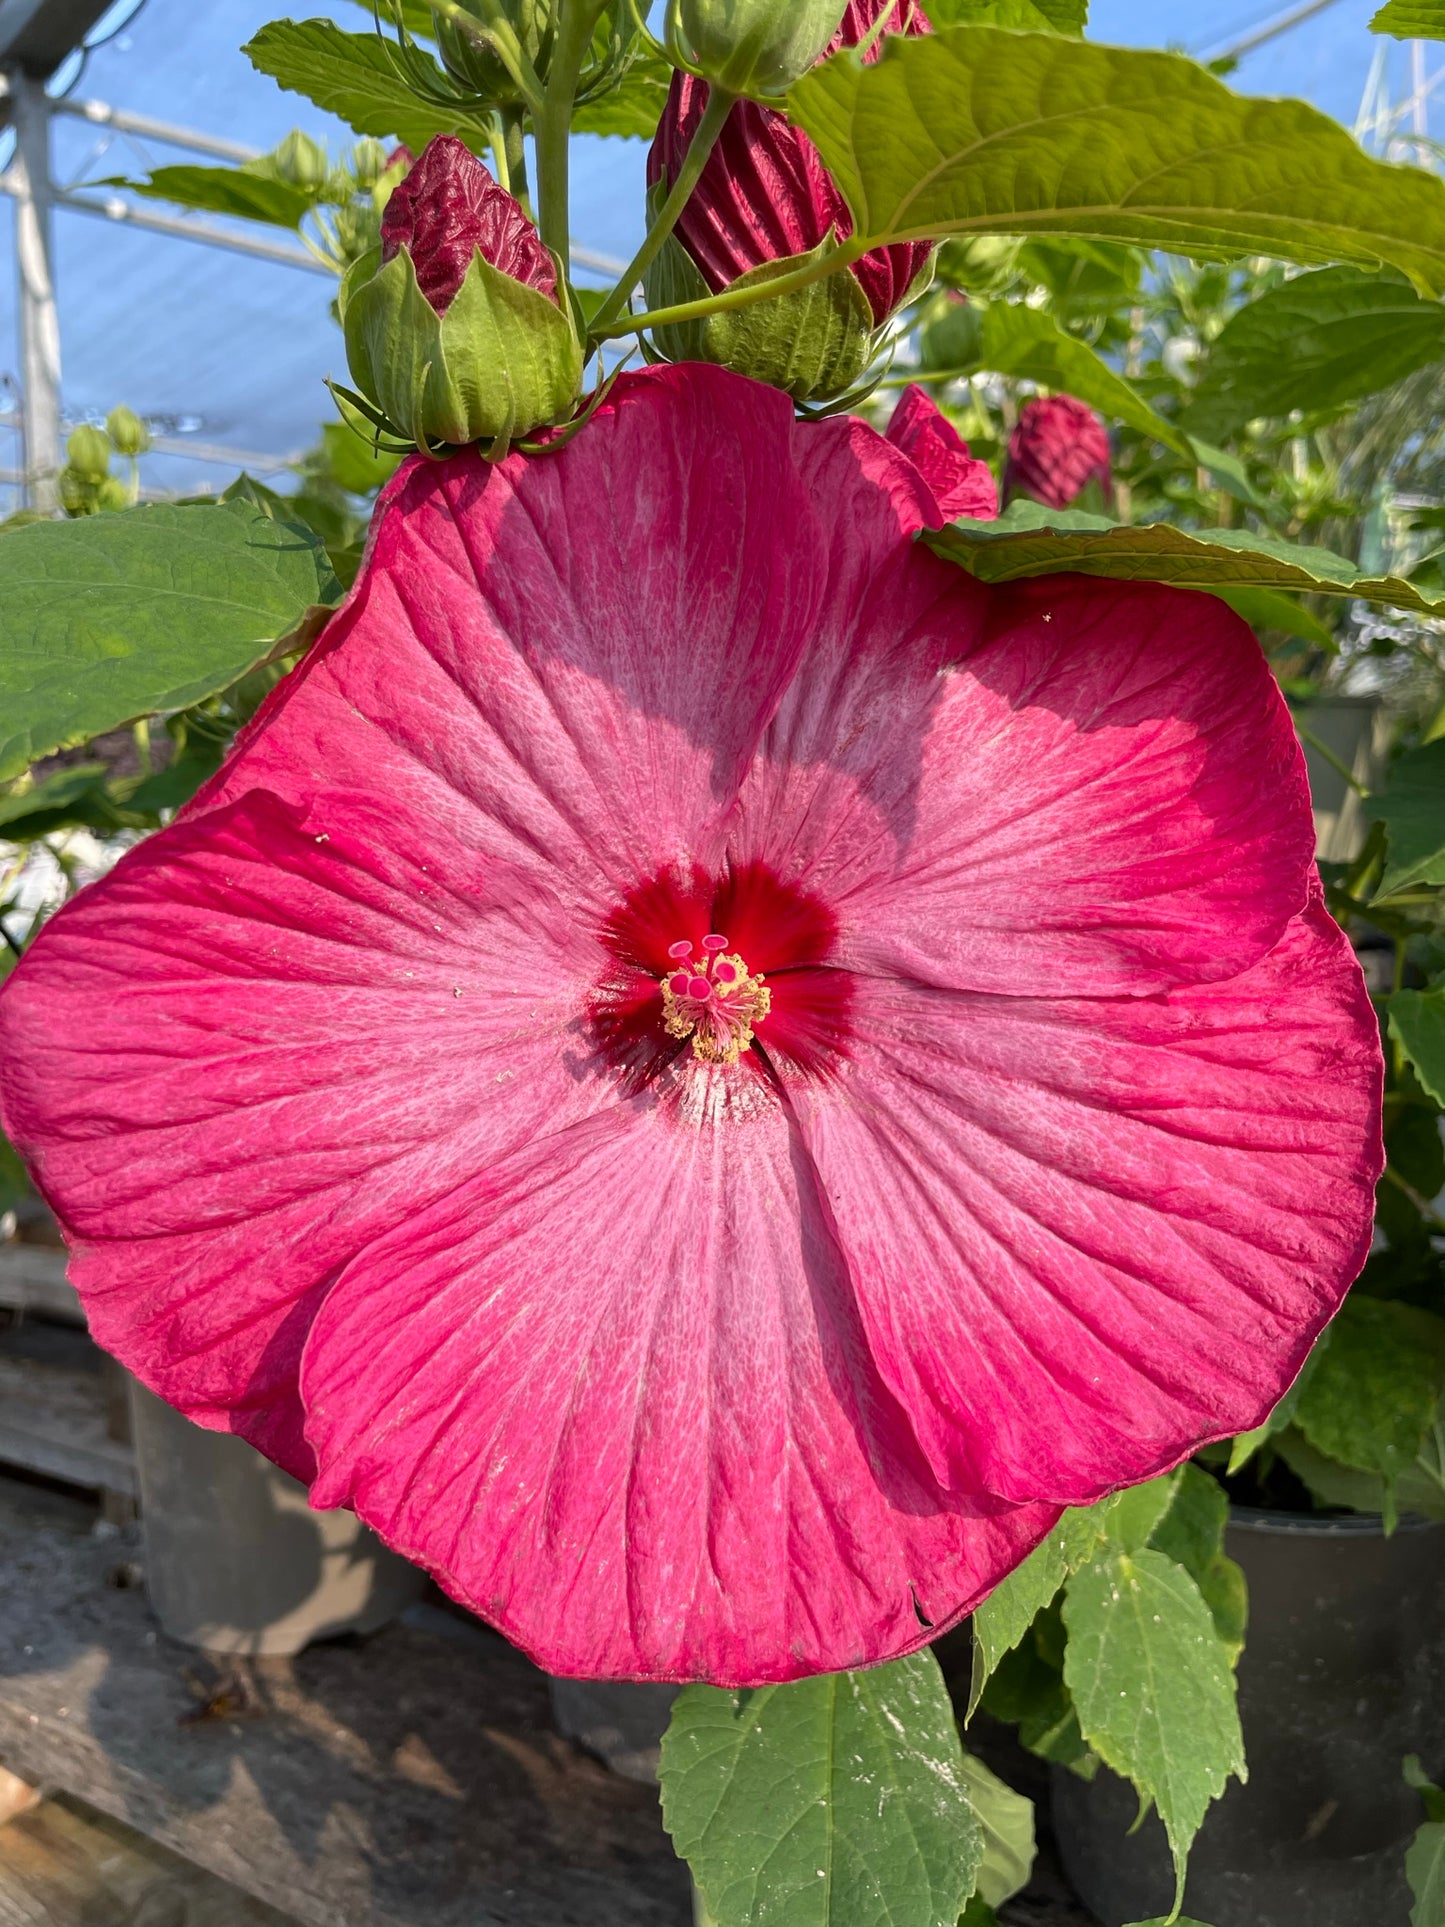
839,1801
1372,1397
978,130
1417,1024
1415,1776
1425,1871
1132,1515
227,190
1039,16
1191,1533
1030,345
118,616
978,1913
1412,807
1153,1687
14,1179
1031,540
417,16
632,109
58,792
1411,20
356,77
1269,609
1419,1489
1243,1448
1319,342
1007,1819
1012,1607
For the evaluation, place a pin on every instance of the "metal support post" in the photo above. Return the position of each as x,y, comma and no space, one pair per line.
39,317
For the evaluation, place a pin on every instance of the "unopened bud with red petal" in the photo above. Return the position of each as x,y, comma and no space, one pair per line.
764,205
453,326
1058,450
753,46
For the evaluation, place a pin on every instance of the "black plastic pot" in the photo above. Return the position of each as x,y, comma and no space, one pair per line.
1343,1674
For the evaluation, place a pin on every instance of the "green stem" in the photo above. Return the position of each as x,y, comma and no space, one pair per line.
515,146
719,106
1323,749
926,376
1421,1203
736,297
552,124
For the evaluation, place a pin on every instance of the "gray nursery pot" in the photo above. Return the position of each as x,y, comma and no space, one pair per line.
620,1721
1343,1674
235,1559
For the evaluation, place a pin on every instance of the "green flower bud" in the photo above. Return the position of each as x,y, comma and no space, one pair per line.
813,343
477,66
453,326
112,494
127,431
368,161
77,492
88,451
301,161
753,46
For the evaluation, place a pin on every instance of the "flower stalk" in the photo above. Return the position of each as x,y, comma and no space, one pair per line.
719,106
552,123
736,297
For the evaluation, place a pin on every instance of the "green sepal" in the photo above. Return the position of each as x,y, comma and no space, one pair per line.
812,343
502,360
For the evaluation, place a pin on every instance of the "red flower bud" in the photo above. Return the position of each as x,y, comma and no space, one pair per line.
449,206
1058,448
765,194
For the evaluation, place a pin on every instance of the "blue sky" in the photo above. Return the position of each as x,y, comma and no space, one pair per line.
235,351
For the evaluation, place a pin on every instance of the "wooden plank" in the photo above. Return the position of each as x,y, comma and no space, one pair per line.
67,1866
54,1421
409,1780
32,1279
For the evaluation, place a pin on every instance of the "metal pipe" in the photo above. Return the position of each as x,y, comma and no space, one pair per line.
1274,29
101,114
29,179
115,209
195,451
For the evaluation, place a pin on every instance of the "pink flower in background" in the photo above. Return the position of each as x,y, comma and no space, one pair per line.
765,193
446,208
703,1069
1057,449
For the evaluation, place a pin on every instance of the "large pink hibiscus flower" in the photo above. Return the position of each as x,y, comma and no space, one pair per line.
706,1071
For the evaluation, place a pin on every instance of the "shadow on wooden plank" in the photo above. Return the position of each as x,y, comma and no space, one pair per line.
65,1865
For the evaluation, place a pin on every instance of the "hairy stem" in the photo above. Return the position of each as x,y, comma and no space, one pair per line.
719,106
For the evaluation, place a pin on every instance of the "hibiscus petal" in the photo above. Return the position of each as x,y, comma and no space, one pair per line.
615,1394
260,1041
1064,785
961,485
1089,1235
558,669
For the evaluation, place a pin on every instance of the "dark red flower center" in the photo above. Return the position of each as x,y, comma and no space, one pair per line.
727,970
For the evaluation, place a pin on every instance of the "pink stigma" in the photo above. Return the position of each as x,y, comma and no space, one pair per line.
716,1003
